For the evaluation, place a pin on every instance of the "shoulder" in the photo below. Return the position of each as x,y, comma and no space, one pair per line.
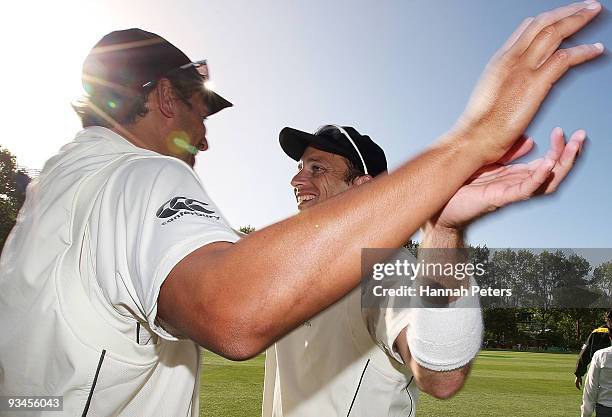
602,353
156,164
139,173
599,355
154,182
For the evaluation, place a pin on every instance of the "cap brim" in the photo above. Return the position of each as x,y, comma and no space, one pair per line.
216,103
294,142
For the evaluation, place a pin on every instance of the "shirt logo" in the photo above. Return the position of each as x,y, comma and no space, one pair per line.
179,206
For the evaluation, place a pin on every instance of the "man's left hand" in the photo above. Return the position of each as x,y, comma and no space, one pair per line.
578,382
502,183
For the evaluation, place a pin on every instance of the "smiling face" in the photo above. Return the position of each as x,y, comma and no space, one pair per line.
321,175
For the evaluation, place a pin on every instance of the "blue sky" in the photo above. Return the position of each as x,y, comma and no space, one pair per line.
400,71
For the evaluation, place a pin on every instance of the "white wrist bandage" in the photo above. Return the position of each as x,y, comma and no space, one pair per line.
443,339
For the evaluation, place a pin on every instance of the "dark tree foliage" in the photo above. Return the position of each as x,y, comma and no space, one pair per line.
13,183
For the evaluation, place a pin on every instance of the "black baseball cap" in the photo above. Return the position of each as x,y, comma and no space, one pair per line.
331,138
124,61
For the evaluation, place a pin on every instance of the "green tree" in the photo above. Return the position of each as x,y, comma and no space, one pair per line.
575,324
247,229
13,182
500,324
602,278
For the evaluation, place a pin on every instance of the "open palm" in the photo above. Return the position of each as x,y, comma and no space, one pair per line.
502,183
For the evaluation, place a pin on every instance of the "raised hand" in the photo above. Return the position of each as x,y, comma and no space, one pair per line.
499,184
519,76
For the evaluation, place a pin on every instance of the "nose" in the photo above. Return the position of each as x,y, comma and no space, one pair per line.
299,179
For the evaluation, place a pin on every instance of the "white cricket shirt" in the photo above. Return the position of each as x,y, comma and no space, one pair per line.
598,384
331,367
101,228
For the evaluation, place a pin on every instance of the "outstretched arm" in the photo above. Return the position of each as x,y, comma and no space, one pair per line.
237,299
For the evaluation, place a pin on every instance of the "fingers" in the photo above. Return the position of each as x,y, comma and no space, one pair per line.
557,144
520,148
552,28
546,19
550,37
516,81
565,158
526,181
528,187
564,59
541,176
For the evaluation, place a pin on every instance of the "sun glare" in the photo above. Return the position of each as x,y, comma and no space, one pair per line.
45,74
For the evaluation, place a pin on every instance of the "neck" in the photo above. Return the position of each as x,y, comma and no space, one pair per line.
147,133
151,137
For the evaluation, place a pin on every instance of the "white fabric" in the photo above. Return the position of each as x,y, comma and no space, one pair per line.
598,384
316,370
81,272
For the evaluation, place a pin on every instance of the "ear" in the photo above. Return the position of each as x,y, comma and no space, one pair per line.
362,179
165,97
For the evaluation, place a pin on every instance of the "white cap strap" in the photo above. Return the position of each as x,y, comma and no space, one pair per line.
344,132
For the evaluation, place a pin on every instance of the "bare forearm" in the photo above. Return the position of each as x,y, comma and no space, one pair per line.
441,385
282,275
441,237
434,243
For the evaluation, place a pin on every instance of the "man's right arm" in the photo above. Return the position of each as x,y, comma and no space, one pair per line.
237,299
585,357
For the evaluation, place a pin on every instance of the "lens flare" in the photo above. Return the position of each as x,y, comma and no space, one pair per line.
180,140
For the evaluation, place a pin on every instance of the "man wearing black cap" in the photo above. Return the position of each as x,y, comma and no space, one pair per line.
330,365
598,339
120,265
106,223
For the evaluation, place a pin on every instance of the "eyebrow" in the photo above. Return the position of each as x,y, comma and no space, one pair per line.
313,159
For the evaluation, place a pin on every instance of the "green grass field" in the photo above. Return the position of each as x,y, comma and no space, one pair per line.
508,384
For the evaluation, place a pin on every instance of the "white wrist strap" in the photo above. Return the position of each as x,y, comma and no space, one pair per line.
443,339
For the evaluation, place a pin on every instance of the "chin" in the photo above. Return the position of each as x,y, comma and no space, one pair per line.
306,205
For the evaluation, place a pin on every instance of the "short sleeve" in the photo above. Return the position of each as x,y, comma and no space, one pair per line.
151,213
